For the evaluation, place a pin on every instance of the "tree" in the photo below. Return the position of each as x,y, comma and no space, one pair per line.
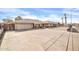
7,20
18,18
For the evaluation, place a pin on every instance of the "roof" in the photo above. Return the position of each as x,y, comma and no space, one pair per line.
50,22
28,21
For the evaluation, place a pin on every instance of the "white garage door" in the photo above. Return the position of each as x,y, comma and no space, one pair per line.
23,26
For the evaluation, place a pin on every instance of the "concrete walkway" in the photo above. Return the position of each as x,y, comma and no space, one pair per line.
52,39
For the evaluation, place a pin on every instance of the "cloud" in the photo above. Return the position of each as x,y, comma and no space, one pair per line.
13,10
30,16
43,14
73,11
7,12
53,17
50,17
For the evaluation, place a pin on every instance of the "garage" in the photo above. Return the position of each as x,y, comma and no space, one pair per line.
23,26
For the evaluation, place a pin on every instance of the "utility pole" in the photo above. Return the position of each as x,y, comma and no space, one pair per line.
65,19
71,17
71,21
62,21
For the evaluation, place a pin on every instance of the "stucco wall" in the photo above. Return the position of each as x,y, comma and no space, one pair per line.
26,26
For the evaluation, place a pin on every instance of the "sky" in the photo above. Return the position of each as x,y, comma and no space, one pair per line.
44,14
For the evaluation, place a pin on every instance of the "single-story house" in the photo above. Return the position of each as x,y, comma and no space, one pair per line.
47,24
9,26
25,24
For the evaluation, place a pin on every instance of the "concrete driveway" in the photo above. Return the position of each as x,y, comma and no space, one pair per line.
50,39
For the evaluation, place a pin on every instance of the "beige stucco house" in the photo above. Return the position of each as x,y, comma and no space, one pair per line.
48,24
25,24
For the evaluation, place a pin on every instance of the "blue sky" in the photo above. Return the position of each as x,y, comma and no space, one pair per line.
51,14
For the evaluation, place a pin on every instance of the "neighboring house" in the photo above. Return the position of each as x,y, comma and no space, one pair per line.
47,24
9,26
